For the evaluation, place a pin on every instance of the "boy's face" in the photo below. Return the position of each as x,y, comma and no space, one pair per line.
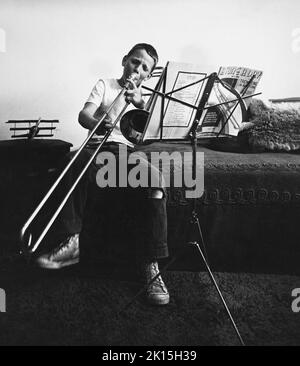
139,63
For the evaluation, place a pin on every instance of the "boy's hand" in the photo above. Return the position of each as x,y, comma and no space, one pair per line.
105,126
134,95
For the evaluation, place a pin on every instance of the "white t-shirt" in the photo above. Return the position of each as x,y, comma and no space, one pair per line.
103,94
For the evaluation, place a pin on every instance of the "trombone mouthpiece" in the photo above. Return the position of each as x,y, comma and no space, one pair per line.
132,77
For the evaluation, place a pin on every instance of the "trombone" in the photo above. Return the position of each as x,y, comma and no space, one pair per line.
27,246
132,126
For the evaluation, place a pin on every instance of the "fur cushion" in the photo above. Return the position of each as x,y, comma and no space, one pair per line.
272,128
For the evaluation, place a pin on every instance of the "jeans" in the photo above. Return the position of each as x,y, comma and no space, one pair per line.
153,243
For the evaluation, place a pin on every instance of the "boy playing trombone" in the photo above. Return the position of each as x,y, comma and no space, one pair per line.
138,65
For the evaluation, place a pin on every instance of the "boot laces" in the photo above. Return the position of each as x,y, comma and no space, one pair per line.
151,271
63,247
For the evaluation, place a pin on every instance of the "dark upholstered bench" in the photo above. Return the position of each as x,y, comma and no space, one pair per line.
249,213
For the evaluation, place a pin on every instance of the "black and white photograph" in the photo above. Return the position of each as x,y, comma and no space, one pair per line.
150,176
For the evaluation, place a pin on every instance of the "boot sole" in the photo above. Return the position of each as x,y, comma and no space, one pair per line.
57,265
159,301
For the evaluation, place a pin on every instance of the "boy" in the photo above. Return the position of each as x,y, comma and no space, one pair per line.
138,65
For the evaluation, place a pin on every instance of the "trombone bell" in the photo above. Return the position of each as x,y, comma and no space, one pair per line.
133,124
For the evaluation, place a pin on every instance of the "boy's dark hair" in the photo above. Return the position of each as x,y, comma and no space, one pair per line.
148,48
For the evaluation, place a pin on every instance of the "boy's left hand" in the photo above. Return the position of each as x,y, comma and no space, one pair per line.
134,95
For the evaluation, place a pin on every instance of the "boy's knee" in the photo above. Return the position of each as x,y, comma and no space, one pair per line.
156,193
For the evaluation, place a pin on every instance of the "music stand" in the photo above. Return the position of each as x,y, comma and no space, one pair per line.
194,220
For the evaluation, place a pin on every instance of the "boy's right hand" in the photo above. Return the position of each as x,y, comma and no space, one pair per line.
105,126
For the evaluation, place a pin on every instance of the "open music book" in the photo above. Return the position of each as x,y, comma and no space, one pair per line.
169,119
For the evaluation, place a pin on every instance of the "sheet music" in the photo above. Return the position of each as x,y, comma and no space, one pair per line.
177,118
179,115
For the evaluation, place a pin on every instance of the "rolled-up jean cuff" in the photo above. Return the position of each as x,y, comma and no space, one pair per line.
70,227
162,189
162,252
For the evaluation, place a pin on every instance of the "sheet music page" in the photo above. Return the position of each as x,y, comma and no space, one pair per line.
179,115
177,118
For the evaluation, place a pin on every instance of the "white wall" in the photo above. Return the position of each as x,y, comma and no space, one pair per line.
52,52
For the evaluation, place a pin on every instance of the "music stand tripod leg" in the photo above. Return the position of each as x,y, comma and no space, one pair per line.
195,221
196,244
